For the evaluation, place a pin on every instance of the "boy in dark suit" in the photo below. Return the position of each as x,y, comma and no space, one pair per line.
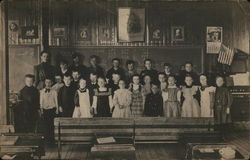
66,97
43,70
153,103
28,113
116,69
149,71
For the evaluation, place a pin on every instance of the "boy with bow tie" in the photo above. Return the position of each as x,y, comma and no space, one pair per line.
49,109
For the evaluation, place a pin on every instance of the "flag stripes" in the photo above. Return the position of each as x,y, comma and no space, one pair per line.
226,55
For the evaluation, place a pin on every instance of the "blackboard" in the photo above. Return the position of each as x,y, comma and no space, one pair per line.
21,62
176,56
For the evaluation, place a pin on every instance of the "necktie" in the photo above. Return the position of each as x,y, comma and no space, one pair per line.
47,90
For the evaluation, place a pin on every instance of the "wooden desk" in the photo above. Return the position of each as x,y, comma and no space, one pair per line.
26,143
193,151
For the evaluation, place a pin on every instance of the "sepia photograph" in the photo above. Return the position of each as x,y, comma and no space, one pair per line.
124,80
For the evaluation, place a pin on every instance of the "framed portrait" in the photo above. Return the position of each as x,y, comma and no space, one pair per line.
131,24
84,33
214,39
105,34
155,34
177,33
29,32
59,32
214,34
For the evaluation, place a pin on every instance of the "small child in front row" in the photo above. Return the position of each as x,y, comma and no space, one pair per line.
59,84
223,102
49,109
102,100
171,98
190,92
153,103
122,101
82,101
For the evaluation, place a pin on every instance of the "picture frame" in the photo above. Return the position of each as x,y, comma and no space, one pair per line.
29,32
83,33
214,35
131,24
177,33
59,32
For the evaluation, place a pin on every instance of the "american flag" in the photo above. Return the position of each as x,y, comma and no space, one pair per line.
226,55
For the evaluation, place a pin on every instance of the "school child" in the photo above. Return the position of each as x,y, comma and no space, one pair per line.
162,80
223,102
115,69
190,92
122,101
207,97
146,88
66,97
92,84
76,65
102,100
49,108
82,101
94,66
130,71
137,97
149,71
64,68
59,84
27,112
75,76
171,98
168,69
153,103
114,83
188,71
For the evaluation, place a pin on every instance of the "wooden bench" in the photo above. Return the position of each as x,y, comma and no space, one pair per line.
84,130
170,130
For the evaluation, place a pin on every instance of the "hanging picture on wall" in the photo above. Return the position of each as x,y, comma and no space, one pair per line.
29,32
213,39
59,32
84,33
177,33
106,35
155,34
13,27
131,24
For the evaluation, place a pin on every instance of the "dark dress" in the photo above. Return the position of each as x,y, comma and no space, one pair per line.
119,71
98,70
223,100
82,69
153,105
113,87
66,100
42,71
152,73
27,111
92,87
103,108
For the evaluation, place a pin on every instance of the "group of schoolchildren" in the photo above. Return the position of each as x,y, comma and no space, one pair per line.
79,91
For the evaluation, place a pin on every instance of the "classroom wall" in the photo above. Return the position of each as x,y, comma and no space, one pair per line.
95,15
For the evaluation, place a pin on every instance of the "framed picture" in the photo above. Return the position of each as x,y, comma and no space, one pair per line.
84,33
59,32
214,39
177,33
131,24
29,32
214,34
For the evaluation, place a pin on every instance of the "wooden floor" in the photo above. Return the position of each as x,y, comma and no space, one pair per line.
148,151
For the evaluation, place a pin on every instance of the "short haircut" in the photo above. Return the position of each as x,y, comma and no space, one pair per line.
167,64
67,75
82,78
171,75
116,74
130,62
188,75
48,78
161,73
44,52
188,62
147,60
30,76
135,75
75,70
58,74
74,55
220,76
93,56
93,73
63,61
116,59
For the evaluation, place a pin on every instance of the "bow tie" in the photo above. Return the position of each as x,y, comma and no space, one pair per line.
47,90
